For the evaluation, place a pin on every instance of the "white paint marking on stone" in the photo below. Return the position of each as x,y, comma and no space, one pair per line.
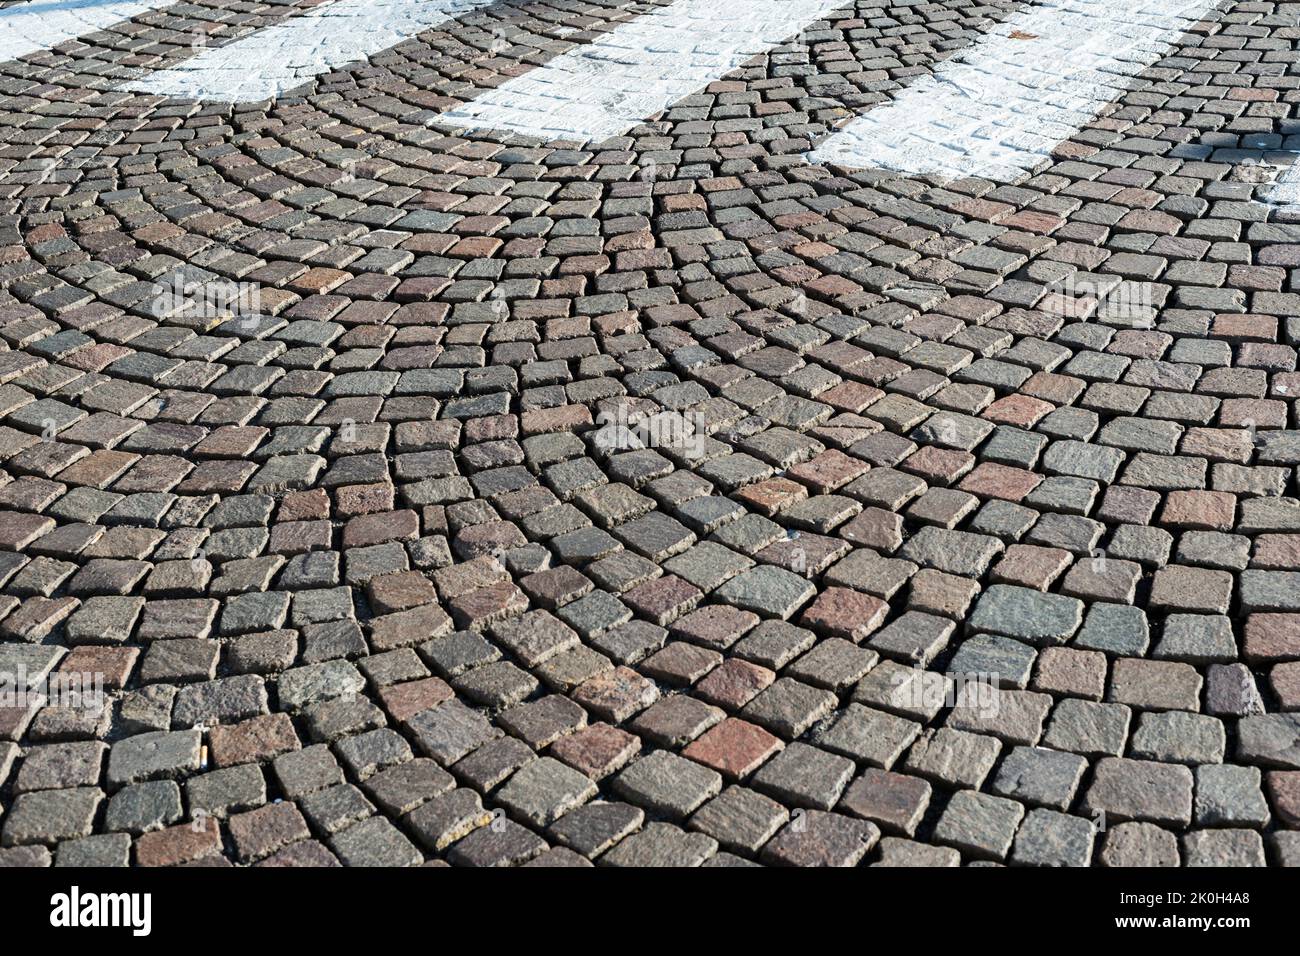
42,24
638,69
999,108
1284,194
265,64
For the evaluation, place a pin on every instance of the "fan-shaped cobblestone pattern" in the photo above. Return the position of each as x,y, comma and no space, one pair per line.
391,572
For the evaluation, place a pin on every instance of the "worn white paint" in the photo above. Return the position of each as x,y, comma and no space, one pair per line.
285,55
41,24
999,108
638,69
1284,194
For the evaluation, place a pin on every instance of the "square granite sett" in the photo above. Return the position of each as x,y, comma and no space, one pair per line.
804,776
1271,740
1220,848
218,793
978,824
374,842
1088,728
366,754
767,591
914,638
1040,777
1139,845
1014,716
1114,629
867,736
1230,796
450,731
1182,589
153,756
597,826
895,802
667,784
907,691
446,818
1179,737
143,807
999,661
484,768
533,638
661,845
1071,672
543,790
616,694
58,766
596,750
953,758
1027,615
835,664
1050,838
789,707
895,852
675,721
50,816
816,838
1155,685
740,819
1142,790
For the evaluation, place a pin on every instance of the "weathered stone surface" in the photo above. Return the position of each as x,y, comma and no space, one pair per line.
50,816
662,844
979,824
1049,838
1027,615
1227,795
1223,848
1143,790
1139,844
154,756
450,731
1178,737
142,807
666,784
740,819
814,838
1040,777
1272,740
665,497
544,790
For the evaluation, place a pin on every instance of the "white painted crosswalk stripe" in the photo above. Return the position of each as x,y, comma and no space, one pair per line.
998,109
41,24
638,69
272,61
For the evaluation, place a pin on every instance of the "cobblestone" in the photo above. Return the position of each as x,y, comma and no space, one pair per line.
644,499
979,824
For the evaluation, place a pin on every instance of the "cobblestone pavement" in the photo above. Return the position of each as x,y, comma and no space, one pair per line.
417,558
